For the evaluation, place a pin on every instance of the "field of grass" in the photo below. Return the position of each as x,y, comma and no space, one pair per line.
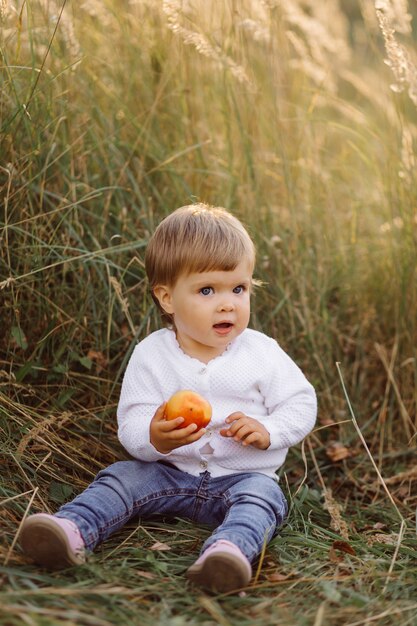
112,114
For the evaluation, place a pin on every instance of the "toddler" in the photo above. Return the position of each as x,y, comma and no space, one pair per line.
199,263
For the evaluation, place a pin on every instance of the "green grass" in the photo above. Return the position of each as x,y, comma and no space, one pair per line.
305,576
109,120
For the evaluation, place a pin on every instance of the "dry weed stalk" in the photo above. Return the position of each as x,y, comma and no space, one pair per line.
3,9
365,445
316,71
174,12
365,86
325,33
334,509
56,421
124,303
318,36
56,11
408,158
98,11
408,475
368,15
399,60
260,32
396,11
382,353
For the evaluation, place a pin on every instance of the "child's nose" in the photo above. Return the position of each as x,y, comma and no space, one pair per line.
226,305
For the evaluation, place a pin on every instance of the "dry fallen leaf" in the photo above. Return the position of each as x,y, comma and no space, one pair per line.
99,359
159,546
276,577
390,540
334,556
338,547
343,546
326,421
336,451
126,332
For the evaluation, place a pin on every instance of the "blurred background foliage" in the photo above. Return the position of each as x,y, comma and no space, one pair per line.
298,116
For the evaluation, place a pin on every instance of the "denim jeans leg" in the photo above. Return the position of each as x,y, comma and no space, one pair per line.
256,507
127,489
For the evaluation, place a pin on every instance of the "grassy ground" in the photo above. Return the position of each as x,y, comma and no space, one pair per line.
112,115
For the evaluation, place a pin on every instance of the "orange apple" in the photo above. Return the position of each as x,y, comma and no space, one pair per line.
191,406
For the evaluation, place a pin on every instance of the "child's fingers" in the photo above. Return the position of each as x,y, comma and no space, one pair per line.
247,431
251,439
184,436
182,433
234,416
228,432
239,430
237,423
167,426
160,413
170,429
195,436
242,432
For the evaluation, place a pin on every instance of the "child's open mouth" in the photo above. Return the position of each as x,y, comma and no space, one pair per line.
223,328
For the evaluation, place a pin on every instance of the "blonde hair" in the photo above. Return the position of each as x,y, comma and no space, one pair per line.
195,238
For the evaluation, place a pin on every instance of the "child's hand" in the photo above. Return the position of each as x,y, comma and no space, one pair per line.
165,435
247,430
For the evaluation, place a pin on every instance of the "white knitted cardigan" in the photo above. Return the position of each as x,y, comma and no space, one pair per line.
253,375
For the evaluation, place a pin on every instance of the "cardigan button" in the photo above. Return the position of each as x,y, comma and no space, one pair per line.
203,464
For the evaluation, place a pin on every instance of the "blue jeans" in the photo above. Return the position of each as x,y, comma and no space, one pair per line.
245,508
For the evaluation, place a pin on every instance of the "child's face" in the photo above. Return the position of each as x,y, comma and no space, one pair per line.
209,309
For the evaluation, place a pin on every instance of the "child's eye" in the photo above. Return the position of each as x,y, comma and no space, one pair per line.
239,289
206,291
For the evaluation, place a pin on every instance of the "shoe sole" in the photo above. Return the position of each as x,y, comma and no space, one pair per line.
220,572
47,544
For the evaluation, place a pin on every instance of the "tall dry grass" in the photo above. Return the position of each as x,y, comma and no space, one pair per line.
300,117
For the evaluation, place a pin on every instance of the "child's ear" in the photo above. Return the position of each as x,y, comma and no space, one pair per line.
163,294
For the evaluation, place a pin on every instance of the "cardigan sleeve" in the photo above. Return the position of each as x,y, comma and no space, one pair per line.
290,400
140,397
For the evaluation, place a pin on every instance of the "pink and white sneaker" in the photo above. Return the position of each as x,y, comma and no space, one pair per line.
222,567
51,541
